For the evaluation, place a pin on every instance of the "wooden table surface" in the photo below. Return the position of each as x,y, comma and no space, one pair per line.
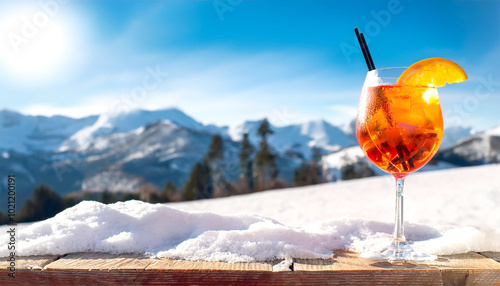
344,268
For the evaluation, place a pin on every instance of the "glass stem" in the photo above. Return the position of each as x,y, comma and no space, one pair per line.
399,235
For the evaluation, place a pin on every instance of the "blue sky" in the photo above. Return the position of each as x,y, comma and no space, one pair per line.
225,61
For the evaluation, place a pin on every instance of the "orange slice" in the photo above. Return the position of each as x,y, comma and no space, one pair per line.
434,72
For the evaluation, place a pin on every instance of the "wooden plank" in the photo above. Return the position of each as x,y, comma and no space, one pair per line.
470,260
344,260
89,269
468,269
100,261
347,268
487,277
133,262
28,262
171,264
460,269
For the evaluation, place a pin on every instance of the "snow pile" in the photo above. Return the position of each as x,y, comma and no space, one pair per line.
140,227
448,211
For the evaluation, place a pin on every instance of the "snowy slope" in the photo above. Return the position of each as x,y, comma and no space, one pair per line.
446,212
28,134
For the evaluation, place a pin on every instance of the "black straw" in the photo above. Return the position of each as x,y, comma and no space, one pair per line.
364,49
368,52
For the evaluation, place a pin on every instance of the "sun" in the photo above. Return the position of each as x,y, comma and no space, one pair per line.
35,44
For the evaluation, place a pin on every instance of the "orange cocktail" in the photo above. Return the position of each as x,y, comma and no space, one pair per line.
399,127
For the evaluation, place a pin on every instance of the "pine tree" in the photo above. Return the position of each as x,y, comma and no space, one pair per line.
213,158
129,196
170,193
216,150
70,201
108,197
317,156
264,129
199,184
300,176
265,162
4,218
191,186
246,151
205,182
45,204
309,173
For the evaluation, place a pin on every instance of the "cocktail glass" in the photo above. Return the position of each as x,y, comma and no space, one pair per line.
399,128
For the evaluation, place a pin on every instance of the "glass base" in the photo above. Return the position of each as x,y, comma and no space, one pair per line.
398,252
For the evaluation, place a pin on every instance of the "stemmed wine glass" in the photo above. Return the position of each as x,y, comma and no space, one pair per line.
399,128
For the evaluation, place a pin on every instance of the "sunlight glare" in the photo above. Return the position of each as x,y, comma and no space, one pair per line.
35,46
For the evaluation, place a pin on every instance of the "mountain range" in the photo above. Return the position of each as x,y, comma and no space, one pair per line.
120,152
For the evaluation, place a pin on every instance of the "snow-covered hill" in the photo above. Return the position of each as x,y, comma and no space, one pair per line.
446,212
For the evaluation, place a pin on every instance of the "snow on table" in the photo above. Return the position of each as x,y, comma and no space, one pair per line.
449,211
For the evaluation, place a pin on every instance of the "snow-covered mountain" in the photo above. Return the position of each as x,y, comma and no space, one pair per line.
27,134
350,128
156,153
452,135
159,152
297,138
479,149
109,124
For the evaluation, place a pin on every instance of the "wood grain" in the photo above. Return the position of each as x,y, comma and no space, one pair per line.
30,263
170,264
100,262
